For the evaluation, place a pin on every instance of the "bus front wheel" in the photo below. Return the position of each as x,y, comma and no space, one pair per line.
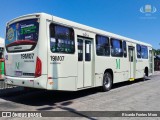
107,81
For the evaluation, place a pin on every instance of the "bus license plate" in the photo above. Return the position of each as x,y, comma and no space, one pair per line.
18,73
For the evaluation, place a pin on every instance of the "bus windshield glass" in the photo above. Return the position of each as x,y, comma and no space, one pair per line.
23,34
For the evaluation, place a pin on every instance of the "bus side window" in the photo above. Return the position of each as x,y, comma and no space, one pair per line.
116,48
102,45
138,51
52,39
144,52
61,39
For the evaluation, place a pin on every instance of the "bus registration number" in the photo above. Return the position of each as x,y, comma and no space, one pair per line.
18,73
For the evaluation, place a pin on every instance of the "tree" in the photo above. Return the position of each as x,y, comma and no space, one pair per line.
157,52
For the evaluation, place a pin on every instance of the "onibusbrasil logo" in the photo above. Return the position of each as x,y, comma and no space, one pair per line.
148,9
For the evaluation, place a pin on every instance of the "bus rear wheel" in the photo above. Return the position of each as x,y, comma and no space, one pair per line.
107,82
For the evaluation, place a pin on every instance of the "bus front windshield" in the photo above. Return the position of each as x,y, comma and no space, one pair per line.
22,33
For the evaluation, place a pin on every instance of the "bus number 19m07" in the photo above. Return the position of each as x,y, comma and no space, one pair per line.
57,58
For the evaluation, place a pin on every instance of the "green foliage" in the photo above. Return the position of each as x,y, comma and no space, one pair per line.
156,52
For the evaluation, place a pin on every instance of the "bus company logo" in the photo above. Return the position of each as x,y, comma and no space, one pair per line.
148,9
10,34
17,65
118,63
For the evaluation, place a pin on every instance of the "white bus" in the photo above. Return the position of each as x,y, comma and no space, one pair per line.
48,52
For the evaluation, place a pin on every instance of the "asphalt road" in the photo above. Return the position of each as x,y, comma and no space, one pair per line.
128,96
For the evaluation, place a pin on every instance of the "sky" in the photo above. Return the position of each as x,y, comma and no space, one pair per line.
122,17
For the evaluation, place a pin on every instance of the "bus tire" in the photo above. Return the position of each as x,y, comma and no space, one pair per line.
107,82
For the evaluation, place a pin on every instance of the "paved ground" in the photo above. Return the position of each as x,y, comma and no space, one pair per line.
128,96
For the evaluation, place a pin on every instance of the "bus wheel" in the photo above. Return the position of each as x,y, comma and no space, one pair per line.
107,81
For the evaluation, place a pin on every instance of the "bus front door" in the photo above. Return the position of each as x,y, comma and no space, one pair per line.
84,62
132,63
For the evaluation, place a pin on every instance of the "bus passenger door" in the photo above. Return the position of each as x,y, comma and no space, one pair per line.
132,62
84,62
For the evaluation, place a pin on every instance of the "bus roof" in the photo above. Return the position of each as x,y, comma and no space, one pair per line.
84,27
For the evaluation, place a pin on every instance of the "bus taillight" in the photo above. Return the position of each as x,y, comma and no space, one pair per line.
38,70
